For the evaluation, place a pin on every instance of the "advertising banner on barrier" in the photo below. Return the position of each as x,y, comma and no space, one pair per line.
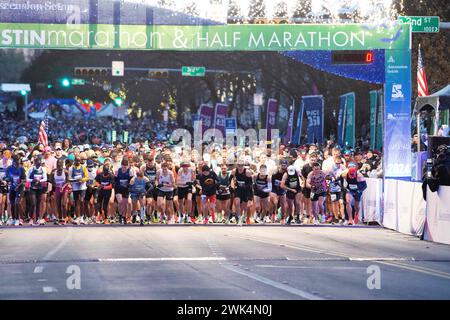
221,114
271,117
341,120
349,124
373,117
314,112
390,219
298,131
372,201
411,208
437,227
206,113
405,213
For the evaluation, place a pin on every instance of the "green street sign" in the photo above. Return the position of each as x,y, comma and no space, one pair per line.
78,82
421,24
193,71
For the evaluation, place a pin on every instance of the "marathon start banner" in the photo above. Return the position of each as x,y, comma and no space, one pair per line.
282,37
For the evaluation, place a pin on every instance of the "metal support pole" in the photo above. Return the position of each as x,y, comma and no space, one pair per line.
26,109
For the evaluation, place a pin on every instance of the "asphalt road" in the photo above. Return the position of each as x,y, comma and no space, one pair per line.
220,262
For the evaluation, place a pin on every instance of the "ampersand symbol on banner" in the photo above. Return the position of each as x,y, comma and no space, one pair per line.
179,41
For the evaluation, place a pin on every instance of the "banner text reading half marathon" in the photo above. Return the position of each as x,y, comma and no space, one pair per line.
202,38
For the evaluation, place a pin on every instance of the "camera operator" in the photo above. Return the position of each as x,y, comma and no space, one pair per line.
437,170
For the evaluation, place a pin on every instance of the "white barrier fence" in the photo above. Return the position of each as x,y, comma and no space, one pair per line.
437,227
372,201
399,205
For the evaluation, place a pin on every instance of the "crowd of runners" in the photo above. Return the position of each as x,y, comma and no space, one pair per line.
157,183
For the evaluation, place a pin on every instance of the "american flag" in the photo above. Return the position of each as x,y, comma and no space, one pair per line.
43,130
422,86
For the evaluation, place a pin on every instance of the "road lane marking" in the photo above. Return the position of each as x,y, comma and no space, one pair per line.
49,255
55,250
428,271
391,261
274,284
308,267
381,259
162,259
38,269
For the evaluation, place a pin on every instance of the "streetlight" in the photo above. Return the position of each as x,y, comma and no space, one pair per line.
65,82
118,101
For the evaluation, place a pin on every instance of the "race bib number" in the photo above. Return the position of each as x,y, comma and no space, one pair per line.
353,187
333,197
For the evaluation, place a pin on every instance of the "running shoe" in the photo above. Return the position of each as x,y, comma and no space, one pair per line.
188,219
316,222
16,223
31,222
138,219
55,221
232,220
1,221
345,223
20,222
42,222
210,220
330,219
356,220
267,220
247,221
240,221
82,221
106,221
9,222
199,220
77,221
258,219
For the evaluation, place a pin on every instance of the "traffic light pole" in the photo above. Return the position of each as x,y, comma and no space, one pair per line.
171,70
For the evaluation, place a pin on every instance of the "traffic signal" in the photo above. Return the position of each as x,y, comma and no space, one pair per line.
65,82
159,73
280,21
273,21
118,101
90,72
260,21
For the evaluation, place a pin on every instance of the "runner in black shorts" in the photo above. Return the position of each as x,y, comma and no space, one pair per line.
150,169
223,195
122,190
278,194
291,183
243,182
262,188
